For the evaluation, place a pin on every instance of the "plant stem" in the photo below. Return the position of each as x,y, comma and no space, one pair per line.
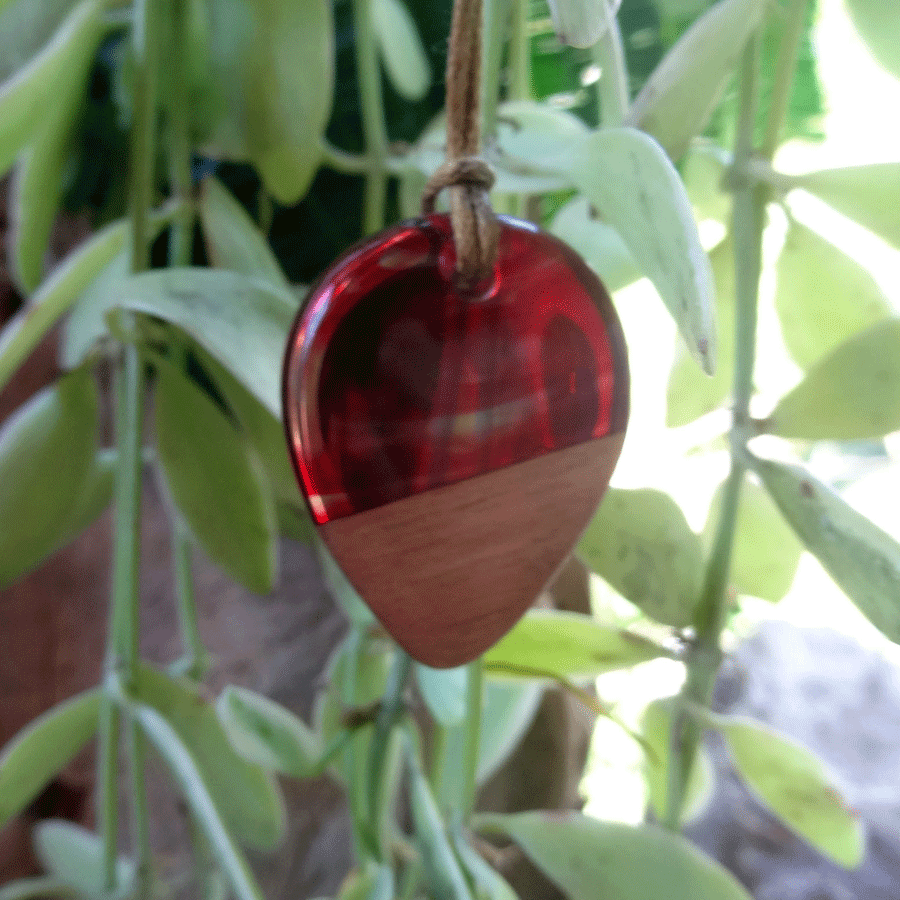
519,53
709,619
123,638
748,221
388,714
374,129
612,89
496,13
182,232
474,703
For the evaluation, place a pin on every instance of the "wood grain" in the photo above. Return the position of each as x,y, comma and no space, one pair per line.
449,571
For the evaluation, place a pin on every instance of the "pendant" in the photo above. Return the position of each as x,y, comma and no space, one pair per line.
453,441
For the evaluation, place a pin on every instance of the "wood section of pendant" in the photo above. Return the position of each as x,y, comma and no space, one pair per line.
453,443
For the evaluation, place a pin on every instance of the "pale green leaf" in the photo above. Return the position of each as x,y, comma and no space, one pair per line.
878,23
705,171
54,297
264,732
566,644
691,393
216,481
641,543
850,394
274,62
589,859
863,560
489,883
76,857
187,766
49,80
581,23
628,178
679,97
766,551
243,322
509,709
444,692
596,242
795,785
233,240
442,870
36,755
865,194
656,728
244,794
47,453
823,295
401,48
532,153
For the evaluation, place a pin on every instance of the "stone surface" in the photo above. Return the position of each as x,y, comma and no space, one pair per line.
842,701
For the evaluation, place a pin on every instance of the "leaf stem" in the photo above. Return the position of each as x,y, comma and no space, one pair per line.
388,713
374,129
472,748
612,88
196,658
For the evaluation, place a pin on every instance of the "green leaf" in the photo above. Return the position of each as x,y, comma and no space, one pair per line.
878,24
690,392
656,730
567,644
265,733
37,183
704,171
54,297
859,556
375,882
581,23
33,758
187,766
25,28
49,81
216,481
850,394
532,153
243,322
508,710
589,859
634,186
244,794
766,551
823,295
443,873
232,239
641,543
444,692
274,62
265,433
679,97
47,451
401,48
599,245
862,193
489,883
75,856
795,785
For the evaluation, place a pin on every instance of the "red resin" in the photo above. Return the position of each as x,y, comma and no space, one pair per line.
397,380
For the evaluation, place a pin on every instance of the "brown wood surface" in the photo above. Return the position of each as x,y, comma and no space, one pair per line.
451,570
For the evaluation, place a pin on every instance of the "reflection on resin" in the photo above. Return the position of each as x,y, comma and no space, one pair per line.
397,381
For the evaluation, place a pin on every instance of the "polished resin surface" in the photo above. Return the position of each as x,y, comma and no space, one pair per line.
397,380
